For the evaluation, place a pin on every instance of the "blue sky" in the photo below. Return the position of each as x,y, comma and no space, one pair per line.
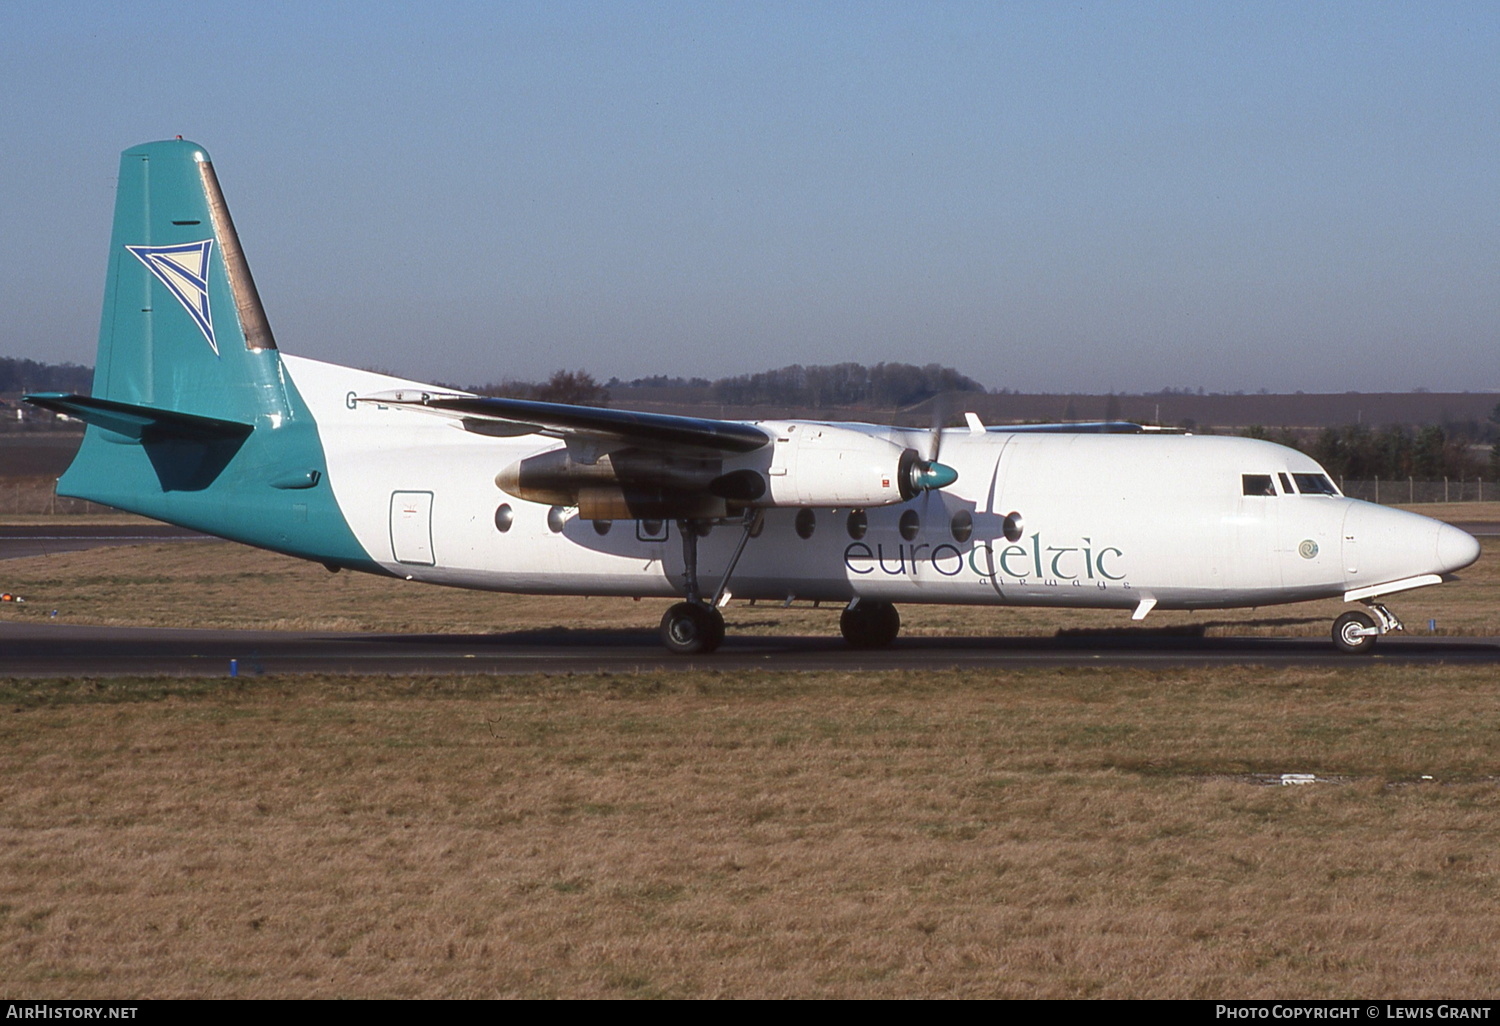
1047,196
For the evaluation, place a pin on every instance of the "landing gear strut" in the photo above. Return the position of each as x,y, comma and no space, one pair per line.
869,624
1355,633
696,627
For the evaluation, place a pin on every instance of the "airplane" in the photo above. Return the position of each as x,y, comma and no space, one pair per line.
196,418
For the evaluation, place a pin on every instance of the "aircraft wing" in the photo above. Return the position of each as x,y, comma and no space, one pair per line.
1096,427
582,427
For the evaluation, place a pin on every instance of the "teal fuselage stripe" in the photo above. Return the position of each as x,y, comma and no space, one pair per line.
238,502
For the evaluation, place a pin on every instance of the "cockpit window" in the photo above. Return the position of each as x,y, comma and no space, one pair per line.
1315,484
1258,484
1286,485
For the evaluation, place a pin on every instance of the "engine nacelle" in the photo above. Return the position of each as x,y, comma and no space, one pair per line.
628,484
826,465
807,465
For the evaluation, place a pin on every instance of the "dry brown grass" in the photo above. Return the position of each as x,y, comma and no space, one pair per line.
219,584
1040,833
1032,833
1488,512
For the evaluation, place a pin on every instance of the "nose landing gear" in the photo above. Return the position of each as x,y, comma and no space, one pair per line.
1355,633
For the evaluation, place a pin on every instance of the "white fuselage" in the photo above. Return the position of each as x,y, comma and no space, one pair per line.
1096,520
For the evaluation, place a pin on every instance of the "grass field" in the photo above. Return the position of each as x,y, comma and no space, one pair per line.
1027,833
1005,834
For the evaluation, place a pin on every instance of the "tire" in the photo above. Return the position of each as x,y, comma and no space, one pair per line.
691,628
870,624
1346,637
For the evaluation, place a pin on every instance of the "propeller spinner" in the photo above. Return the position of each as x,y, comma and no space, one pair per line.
919,475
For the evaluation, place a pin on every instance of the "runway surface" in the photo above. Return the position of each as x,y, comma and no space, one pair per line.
18,542
62,650
57,650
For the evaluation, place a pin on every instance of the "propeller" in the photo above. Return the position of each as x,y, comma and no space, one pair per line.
925,473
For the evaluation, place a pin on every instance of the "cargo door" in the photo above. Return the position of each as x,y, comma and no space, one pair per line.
411,527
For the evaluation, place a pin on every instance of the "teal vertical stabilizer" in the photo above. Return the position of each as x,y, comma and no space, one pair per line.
192,419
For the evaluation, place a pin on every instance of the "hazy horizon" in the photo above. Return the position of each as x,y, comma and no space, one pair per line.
1102,198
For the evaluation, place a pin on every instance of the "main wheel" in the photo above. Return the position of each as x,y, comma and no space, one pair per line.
870,624
1347,636
691,628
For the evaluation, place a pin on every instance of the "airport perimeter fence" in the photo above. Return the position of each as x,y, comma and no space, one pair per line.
39,497
1406,490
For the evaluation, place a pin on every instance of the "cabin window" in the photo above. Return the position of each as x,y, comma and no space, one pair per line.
1013,527
962,525
557,516
1258,484
1315,484
911,523
807,523
601,527
504,517
858,524
651,530
1286,484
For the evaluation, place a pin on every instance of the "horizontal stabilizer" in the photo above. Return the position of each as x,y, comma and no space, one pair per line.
527,416
143,423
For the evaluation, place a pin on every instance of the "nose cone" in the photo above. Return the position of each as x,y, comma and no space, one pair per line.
1383,544
1455,549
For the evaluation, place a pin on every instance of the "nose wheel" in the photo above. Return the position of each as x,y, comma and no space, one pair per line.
1354,633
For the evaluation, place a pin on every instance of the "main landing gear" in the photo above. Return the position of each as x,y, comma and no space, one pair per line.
1355,633
869,624
692,628
696,627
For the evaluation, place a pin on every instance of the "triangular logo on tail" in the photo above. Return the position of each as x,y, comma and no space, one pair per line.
183,269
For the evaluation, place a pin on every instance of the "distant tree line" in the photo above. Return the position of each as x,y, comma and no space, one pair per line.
888,385
1354,451
843,384
578,388
659,381
1430,452
20,376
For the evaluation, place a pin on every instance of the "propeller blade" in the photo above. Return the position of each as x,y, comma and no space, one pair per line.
935,431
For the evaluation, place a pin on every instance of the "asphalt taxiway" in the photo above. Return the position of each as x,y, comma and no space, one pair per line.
65,650
21,541
60,650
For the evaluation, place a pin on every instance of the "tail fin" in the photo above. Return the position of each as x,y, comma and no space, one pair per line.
192,419
183,328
